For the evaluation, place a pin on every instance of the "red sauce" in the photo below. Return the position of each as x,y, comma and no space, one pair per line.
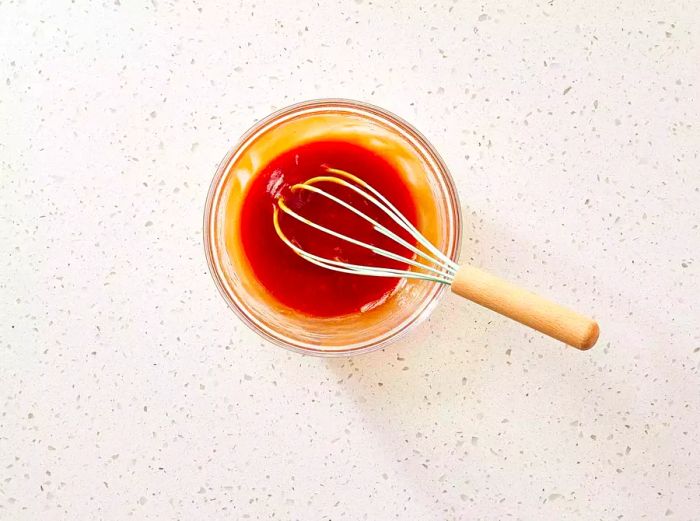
296,282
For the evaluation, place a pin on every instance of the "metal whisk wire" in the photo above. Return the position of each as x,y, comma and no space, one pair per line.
440,268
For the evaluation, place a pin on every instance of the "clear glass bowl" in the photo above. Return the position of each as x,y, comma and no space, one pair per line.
395,140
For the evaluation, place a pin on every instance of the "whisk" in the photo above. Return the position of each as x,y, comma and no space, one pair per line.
430,264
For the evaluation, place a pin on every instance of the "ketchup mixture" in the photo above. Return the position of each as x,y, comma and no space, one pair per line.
296,282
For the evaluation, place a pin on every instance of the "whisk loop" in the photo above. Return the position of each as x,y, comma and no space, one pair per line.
437,266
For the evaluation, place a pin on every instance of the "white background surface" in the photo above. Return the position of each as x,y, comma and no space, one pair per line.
128,389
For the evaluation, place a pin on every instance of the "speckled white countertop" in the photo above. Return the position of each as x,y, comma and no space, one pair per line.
128,390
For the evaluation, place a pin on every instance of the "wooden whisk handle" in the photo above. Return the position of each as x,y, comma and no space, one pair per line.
527,308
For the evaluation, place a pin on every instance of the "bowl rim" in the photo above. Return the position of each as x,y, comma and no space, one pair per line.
263,125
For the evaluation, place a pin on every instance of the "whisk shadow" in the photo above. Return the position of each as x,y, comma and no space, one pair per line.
393,392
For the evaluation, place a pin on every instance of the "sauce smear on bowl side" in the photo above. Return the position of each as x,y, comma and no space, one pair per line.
296,282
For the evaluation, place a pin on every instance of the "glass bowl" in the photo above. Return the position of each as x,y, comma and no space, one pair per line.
396,141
